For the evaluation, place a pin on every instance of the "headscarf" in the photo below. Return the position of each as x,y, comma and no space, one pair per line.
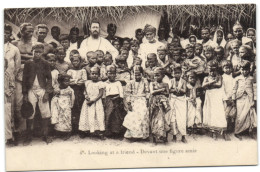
223,42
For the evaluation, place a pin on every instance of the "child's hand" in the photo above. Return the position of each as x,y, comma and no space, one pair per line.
90,102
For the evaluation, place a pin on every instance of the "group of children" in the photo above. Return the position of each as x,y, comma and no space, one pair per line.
194,90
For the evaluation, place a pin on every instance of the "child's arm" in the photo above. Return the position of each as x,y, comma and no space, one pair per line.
100,94
72,98
156,91
217,83
83,78
234,91
167,90
206,83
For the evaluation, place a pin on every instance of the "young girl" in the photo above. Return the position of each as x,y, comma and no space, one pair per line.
92,118
114,106
243,94
228,84
78,78
137,118
178,104
194,115
214,118
51,58
61,65
159,107
123,73
61,105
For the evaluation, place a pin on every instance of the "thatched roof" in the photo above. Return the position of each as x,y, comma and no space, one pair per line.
178,15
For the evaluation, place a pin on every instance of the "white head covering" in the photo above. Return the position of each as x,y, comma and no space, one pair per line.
223,42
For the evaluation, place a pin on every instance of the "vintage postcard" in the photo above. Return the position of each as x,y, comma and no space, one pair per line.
107,87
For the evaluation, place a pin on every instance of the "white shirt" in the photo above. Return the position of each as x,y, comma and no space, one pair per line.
91,44
147,48
227,84
114,88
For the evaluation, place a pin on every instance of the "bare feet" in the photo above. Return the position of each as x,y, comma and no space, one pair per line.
183,139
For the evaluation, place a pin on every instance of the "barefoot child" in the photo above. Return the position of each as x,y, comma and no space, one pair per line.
77,81
92,118
159,106
244,96
178,104
61,105
114,105
214,120
137,118
228,84
194,115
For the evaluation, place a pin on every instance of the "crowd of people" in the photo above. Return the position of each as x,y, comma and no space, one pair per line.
140,88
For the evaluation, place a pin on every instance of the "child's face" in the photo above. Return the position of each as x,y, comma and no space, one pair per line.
108,61
229,37
139,35
66,82
111,75
192,40
205,34
177,74
161,54
208,55
219,36
92,59
212,72
151,61
117,45
61,55
219,54
235,48
126,44
121,64
245,72
72,54
138,75
100,57
76,61
125,54
227,70
149,36
198,51
189,52
192,79
52,60
37,53
94,74
251,34
65,44
175,41
242,52
158,76
134,48
176,56
137,62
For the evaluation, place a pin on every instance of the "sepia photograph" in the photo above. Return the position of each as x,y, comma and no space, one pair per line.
137,86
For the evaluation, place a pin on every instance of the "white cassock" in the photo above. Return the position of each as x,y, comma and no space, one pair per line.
91,44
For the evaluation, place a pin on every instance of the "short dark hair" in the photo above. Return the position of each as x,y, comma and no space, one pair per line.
94,21
8,28
138,30
74,29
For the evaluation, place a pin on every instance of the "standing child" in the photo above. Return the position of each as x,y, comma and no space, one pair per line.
243,94
194,115
78,78
92,118
133,53
178,119
9,87
108,60
61,65
92,60
159,107
51,58
61,105
214,120
123,72
114,106
137,118
228,84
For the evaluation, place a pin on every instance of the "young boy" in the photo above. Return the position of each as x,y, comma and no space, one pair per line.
61,65
152,64
36,86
